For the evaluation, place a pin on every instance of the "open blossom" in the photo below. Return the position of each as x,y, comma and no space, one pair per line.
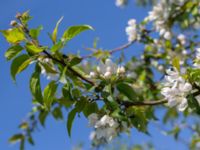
106,128
107,69
176,90
131,30
159,15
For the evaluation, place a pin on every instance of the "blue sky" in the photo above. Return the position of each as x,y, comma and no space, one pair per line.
109,23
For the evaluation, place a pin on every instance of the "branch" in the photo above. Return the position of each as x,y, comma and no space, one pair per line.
26,30
144,103
112,50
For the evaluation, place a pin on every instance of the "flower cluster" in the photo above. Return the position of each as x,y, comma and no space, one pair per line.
159,15
120,3
176,89
107,69
49,75
131,30
106,128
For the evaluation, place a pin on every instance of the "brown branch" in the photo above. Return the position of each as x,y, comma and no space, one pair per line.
143,103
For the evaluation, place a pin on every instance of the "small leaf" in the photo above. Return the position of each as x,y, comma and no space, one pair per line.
56,47
70,120
33,48
55,31
73,31
13,51
127,90
35,87
15,138
14,35
42,117
19,64
57,113
90,108
34,33
176,63
75,60
49,93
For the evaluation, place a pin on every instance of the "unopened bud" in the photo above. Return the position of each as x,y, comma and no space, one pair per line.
107,74
93,75
13,23
18,16
121,70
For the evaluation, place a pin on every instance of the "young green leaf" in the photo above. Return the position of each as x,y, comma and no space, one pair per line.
127,90
34,33
33,48
13,51
49,93
70,120
73,31
14,35
55,31
15,138
19,64
35,87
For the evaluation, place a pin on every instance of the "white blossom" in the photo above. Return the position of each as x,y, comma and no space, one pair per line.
107,70
182,39
197,60
131,30
159,15
176,89
120,3
93,118
106,128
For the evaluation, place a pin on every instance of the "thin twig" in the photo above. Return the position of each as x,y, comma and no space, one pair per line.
110,51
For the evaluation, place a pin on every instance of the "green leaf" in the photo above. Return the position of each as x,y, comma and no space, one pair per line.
13,51
176,63
56,47
19,64
63,76
73,31
70,120
49,68
57,113
25,17
15,138
42,117
33,48
90,108
14,35
35,87
49,93
80,105
34,33
55,31
75,60
127,90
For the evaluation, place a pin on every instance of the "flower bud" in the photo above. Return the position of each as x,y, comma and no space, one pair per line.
93,75
121,70
18,16
13,23
107,74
